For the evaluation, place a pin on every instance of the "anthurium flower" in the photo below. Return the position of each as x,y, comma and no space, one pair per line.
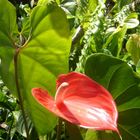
81,101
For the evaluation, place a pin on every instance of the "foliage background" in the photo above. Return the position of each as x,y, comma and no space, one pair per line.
100,38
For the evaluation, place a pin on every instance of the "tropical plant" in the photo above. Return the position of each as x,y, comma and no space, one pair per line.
40,40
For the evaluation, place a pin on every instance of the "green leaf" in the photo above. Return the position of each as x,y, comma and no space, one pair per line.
91,135
8,29
133,47
7,67
44,2
116,76
131,21
42,59
20,127
126,134
115,40
25,28
73,132
101,135
92,4
122,3
7,23
6,102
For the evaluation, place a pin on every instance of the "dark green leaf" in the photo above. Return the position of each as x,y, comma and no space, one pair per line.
73,132
116,76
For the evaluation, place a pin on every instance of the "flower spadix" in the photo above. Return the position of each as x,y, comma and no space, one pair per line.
81,101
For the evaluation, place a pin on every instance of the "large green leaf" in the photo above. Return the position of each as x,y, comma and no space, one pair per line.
116,76
8,28
42,59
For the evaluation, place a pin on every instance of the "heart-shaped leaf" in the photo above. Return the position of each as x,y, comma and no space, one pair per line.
42,58
39,61
122,82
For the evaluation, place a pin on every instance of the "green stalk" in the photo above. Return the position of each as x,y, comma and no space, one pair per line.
59,127
19,93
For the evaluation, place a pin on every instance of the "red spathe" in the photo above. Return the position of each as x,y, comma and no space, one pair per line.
81,101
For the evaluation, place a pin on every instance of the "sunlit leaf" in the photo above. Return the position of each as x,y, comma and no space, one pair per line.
131,21
42,59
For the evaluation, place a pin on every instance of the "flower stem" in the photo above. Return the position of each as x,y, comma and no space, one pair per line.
19,93
59,127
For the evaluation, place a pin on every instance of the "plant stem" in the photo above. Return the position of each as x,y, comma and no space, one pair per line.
59,126
19,93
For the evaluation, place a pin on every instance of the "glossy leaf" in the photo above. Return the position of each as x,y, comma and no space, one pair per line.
84,103
131,21
123,84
